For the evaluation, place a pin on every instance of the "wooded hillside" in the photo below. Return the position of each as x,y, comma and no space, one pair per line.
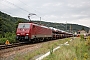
9,24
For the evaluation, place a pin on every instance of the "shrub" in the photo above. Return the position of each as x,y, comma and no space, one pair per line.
82,37
88,41
8,36
3,40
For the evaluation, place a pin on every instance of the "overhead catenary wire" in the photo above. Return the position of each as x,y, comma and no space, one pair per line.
6,10
21,7
29,6
17,6
23,3
6,6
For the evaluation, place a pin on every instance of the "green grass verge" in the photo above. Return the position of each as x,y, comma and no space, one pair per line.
42,50
77,50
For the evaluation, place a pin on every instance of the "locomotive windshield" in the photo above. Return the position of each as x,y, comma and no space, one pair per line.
24,25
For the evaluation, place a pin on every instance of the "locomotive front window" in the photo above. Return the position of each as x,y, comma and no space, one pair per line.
24,25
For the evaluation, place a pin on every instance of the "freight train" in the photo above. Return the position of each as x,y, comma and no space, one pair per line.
35,33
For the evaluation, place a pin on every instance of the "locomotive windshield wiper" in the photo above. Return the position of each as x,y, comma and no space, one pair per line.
24,26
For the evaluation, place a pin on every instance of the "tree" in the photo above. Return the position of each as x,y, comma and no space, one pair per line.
82,28
19,21
1,29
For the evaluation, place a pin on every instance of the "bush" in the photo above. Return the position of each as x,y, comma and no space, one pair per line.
8,36
88,41
11,39
0,35
3,40
82,37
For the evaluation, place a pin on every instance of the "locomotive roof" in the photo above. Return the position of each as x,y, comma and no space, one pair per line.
48,28
35,24
41,26
24,23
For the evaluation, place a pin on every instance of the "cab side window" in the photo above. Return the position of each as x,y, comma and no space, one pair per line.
33,26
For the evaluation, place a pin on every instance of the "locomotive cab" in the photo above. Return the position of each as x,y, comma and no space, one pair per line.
23,32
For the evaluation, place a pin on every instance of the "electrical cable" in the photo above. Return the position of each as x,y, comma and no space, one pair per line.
28,6
20,7
17,6
6,11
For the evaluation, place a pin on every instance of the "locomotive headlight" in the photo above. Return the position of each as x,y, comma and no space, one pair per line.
18,34
27,34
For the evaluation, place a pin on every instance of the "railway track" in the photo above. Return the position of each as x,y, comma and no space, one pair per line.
11,45
11,51
4,46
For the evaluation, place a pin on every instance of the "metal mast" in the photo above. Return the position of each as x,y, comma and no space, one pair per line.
29,16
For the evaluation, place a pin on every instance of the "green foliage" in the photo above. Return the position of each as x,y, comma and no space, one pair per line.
1,29
88,41
8,23
82,37
76,50
83,28
3,40
8,36
8,26
82,50
85,56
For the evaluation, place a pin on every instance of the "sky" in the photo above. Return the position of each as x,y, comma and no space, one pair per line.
59,11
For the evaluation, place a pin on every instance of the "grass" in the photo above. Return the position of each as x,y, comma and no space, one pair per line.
77,50
44,48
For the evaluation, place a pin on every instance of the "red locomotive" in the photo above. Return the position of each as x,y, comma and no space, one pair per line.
34,32
31,32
